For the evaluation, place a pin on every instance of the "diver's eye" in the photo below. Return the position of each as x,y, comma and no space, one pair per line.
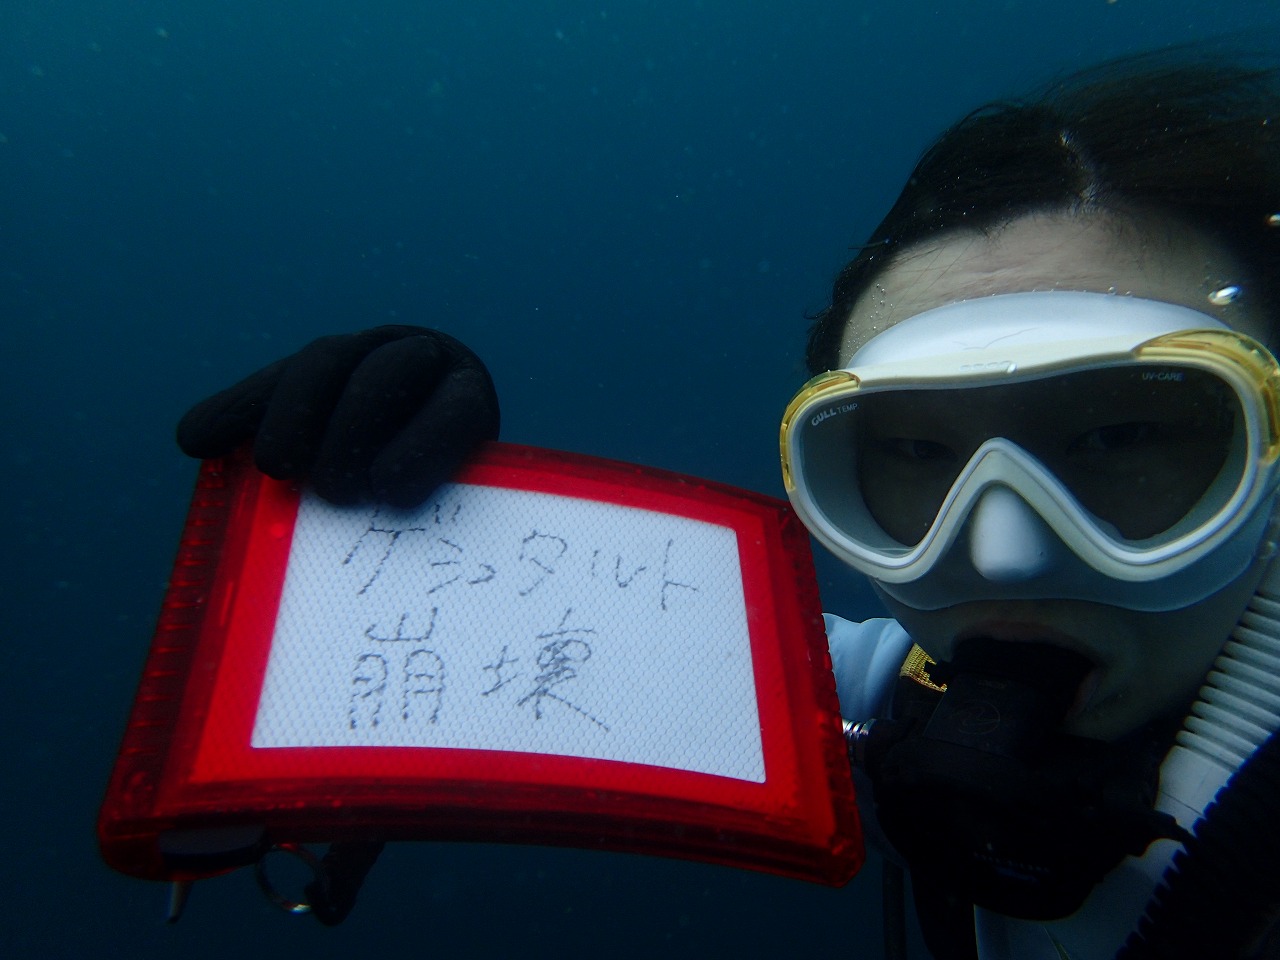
1117,437
923,451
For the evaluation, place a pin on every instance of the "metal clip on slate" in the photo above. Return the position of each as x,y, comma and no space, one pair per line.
336,879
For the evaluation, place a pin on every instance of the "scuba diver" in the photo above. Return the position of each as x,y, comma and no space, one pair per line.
1045,423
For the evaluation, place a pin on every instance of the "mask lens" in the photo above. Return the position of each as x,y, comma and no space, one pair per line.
1146,450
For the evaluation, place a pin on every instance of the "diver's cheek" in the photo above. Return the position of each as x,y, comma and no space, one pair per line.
1130,693
1105,714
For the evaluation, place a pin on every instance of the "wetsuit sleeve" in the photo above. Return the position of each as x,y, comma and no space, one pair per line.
865,658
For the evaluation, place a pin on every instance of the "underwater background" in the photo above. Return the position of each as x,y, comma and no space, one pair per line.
626,208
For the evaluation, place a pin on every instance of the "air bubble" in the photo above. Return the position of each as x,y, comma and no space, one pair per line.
1224,295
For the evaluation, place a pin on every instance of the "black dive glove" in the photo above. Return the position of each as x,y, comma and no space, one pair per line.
387,414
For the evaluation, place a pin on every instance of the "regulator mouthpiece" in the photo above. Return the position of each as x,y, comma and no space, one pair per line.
986,797
1006,698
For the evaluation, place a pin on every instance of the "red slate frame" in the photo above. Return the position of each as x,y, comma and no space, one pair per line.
186,768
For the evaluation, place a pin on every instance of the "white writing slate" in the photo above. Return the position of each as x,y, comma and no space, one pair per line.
501,619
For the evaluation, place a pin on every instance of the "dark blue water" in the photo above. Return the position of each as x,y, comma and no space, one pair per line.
626,208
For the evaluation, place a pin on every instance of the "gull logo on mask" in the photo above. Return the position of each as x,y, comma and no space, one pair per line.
996,366
832,412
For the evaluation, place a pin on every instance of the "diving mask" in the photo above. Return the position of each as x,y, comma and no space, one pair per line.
1049,444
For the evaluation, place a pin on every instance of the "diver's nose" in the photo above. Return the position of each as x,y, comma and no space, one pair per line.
1008,542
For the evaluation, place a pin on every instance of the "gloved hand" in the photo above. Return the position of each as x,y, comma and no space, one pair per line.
386,414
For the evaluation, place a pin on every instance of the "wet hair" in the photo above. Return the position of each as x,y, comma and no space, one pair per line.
1193,137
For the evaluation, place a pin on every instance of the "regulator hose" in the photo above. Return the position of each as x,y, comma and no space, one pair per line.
1221,893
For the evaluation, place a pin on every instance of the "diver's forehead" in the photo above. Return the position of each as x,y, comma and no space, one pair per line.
1096,253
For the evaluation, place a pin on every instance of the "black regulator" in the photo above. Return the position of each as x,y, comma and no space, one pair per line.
985,797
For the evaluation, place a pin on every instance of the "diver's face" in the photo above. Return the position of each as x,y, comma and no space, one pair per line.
1147,663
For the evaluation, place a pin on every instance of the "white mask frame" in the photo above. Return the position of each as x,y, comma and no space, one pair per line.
1010,338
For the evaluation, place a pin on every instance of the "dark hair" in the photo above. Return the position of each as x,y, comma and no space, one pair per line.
1194,138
